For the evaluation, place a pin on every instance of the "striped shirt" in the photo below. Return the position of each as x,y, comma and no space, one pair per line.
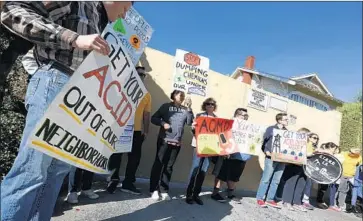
53,27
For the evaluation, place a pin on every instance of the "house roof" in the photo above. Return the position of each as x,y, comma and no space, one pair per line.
296,81
313,75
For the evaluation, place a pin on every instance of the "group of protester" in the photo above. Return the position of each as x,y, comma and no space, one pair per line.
63,33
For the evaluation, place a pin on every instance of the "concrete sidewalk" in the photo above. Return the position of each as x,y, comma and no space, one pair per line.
127,207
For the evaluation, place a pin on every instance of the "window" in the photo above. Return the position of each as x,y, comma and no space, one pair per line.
300,98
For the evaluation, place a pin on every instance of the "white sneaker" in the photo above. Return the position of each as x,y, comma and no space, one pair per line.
90,194
72,198
165,196
155,195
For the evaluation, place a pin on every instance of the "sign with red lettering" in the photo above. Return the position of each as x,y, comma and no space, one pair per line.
87,121
190,73
213,136
289,147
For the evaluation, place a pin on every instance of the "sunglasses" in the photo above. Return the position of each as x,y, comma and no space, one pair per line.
315,138
210,104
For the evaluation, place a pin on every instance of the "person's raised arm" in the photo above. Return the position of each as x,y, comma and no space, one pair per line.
190,117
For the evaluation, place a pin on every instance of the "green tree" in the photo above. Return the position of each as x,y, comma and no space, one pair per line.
351,129
359,97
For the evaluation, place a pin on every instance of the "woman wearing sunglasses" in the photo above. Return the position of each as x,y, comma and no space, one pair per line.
295,180
232,167
311,147
200,164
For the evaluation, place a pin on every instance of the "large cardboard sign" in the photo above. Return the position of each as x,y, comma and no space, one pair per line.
289,147
190,73
213,136
83,124
323,168
248,137
134,33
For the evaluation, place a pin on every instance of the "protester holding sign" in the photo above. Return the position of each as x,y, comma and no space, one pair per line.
311,146
327,148
30,189
200,164
273,170
171,117
141,129
233,166
295,180
333,188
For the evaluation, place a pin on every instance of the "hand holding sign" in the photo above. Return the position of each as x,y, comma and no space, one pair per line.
76,130
92,42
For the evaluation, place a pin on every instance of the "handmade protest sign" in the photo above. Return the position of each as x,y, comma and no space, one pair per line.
83,124
134,33
213,136
289,146
190,73
247,137
323,168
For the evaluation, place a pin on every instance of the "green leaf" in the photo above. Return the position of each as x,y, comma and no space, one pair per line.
119,27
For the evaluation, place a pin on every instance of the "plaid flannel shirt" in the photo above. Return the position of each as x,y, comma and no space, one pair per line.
53,26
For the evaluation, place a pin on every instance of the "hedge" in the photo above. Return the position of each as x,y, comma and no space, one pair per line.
351,129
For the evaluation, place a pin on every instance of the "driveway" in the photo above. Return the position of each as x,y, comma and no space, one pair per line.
127,207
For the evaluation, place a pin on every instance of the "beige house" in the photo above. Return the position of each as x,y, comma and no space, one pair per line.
306,89
230,94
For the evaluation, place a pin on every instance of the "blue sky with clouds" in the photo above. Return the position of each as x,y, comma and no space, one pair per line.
287,38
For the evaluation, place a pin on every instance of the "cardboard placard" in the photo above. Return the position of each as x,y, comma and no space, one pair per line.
323,168
190,73
83,124
289,147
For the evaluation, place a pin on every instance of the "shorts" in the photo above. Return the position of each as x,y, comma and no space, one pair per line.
218,161
231,170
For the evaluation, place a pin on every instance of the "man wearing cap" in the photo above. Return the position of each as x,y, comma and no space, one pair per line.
141,129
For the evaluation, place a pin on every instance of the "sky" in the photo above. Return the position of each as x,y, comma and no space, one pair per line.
286,38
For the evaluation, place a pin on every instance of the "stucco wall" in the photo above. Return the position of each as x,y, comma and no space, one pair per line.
230,94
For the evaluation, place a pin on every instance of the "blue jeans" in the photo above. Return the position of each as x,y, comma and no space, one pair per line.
307,190
272,170
333,188
357,191
30,190
196,161
197,175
